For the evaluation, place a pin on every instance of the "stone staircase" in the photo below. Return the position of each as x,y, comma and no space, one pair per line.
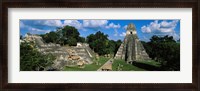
85,52
131,49
119,53
82,52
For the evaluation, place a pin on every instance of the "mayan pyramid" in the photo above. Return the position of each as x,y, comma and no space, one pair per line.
131,48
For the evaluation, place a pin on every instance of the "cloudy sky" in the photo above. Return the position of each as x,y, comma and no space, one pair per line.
115,29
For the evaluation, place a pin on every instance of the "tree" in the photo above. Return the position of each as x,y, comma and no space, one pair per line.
52,37
98,42
69,32
117,45
31,59
63,36
72,41
111,46
81,39
164,50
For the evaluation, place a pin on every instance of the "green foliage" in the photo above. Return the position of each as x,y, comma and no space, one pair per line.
51,37
31,59
72,41
100,43
81,39
117,45
111,46
164,50
66,35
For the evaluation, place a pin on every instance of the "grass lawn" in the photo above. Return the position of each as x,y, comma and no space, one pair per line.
89,67
151,62
149,65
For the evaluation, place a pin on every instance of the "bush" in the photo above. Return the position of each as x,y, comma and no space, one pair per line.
31,59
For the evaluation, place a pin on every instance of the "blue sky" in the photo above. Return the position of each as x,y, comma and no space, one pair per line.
115,29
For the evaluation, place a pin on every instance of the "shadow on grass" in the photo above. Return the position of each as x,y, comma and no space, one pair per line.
146,66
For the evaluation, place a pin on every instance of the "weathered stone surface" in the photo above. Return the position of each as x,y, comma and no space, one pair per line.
65,55
131,49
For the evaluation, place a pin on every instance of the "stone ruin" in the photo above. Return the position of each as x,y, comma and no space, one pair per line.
131,48
65,56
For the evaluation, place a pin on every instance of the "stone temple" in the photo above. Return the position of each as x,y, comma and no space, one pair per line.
131,48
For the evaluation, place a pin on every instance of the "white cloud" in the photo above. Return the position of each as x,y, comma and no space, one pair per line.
154,25
175,36
115,32
112,25
115,27
94,23
52,23
32,26
125,27
166,30
36,30
100,24
169,24
39,26
122,34
145,29
74,23
56,23
162,28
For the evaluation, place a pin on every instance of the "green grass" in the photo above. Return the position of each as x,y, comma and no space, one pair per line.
74,68
151,62
138,66
89,67
148,65
126,67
